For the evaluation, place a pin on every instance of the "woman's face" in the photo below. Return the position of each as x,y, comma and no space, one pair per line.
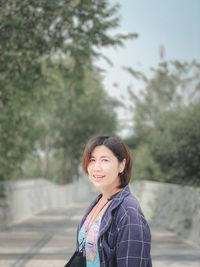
104,168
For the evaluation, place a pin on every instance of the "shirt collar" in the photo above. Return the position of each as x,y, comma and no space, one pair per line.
116,201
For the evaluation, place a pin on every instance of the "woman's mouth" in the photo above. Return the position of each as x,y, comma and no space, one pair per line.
98,177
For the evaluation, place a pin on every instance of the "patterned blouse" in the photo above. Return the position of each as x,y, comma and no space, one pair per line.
92,255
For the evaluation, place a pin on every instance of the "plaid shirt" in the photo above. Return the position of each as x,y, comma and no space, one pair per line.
124,237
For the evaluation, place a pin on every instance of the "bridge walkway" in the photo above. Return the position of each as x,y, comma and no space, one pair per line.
48,240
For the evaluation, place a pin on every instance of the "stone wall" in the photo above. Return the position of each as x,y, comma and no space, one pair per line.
172,207
22,199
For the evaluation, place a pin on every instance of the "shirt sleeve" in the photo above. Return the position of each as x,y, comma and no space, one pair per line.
133,240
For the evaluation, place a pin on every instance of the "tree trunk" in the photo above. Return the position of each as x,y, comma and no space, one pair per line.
63,167
46,160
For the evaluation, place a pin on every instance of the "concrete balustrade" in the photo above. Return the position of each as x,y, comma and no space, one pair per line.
172,207
25,198
166,206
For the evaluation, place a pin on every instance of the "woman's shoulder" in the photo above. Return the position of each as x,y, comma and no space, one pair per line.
130,202
130,209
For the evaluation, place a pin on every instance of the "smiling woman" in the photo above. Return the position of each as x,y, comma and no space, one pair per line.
113,231
104,169
111,149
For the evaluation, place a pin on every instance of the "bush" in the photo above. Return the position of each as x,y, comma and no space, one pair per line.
175,145
144,166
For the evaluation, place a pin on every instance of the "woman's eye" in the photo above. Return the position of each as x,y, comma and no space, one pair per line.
105,160
92,160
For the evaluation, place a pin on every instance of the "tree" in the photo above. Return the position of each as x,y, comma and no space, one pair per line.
171,86
30,32
71,117
175,145
166,119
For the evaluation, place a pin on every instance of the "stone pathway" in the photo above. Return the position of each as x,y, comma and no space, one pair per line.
170,250
48,240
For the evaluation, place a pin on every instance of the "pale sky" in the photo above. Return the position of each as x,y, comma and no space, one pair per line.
172,23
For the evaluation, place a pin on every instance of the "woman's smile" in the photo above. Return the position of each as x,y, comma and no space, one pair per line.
104,168
98,177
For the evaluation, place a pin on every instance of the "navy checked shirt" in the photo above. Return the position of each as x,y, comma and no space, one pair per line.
124,237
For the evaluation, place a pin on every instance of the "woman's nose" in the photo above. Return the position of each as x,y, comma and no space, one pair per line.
97,165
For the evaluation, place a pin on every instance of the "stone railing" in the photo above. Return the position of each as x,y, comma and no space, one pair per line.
22,199
168,206
172,207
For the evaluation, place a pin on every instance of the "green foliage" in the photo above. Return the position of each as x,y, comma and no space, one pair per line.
31,32
175,145
145,167
79,115
17,135
166,123
70,117
171,86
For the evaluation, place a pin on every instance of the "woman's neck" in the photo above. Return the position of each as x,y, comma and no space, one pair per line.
106,194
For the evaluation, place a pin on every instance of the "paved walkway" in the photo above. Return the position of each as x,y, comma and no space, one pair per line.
48,240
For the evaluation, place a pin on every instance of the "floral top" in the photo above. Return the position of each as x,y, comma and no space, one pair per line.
92,255
124,237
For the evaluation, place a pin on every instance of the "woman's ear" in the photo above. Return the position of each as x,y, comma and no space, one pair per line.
122,166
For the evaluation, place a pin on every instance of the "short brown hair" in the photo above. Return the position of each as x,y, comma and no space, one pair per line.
118,148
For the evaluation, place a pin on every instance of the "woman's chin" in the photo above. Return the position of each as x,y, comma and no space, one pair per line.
98,183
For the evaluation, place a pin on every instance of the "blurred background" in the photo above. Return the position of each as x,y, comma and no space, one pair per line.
72,69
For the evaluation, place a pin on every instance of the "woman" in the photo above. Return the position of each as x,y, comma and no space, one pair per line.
113,231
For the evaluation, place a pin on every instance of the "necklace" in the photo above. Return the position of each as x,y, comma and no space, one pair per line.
92,217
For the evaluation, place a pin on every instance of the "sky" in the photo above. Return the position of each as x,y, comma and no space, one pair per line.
175,24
